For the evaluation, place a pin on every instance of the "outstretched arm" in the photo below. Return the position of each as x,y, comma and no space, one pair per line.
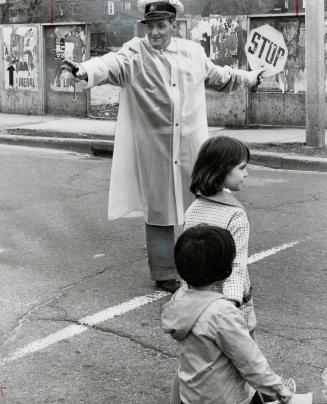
116,68
228,79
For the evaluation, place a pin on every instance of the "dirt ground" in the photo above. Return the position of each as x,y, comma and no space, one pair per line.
104,102
105,94
106,111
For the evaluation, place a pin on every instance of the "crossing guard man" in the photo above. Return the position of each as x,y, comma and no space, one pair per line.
162,122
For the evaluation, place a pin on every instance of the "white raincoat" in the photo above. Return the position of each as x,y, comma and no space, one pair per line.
162,122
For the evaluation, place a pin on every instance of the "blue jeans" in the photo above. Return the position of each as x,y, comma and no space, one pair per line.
160,241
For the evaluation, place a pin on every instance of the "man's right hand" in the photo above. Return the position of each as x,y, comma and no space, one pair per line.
76,69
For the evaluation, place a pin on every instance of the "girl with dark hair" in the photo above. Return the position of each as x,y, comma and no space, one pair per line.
221,167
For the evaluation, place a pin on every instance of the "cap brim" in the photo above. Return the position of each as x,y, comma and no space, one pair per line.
156,16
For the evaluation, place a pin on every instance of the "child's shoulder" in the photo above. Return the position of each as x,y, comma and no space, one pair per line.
207,209
216,202
218,312
222,307
224,197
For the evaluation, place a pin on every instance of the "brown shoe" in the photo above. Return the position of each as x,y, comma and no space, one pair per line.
169,285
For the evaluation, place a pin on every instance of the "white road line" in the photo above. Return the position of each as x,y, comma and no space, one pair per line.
85,323
121,309
98,255
45,342
111,312
264,254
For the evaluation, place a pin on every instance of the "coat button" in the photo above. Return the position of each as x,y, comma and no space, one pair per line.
176,124
175,162
174,85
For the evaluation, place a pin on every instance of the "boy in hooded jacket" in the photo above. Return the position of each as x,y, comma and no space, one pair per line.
219,362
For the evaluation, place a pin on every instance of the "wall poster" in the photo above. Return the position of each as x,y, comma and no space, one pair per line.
200,31
222,37
20,58
228,37
64,42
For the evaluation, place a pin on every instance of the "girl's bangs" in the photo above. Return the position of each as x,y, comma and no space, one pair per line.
243,153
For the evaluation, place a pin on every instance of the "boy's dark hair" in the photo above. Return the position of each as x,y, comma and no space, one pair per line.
217,157
204,254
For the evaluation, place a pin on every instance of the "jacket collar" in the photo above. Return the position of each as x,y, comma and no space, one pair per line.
225,197
172,47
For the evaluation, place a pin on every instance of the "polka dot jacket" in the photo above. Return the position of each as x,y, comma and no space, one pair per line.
225,211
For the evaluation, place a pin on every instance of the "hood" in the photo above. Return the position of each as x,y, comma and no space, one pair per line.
179,315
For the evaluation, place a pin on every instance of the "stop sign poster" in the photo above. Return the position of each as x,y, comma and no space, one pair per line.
265,47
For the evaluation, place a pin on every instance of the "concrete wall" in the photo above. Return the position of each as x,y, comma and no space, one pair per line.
226,109
30,78
277,109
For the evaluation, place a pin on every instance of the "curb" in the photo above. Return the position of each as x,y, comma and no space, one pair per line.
288,161
91,146
104,147
56,134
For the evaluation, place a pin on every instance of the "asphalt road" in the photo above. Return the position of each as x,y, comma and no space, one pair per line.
61,260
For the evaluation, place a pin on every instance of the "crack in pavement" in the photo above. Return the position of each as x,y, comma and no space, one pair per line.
84,324
135,340
79,175
295,327
289,338
10,335
310,365
312,198
82,194
257,207
117,333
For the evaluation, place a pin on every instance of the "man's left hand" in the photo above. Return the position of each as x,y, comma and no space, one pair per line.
255,78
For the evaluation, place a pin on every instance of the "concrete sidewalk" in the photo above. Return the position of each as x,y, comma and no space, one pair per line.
97,137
